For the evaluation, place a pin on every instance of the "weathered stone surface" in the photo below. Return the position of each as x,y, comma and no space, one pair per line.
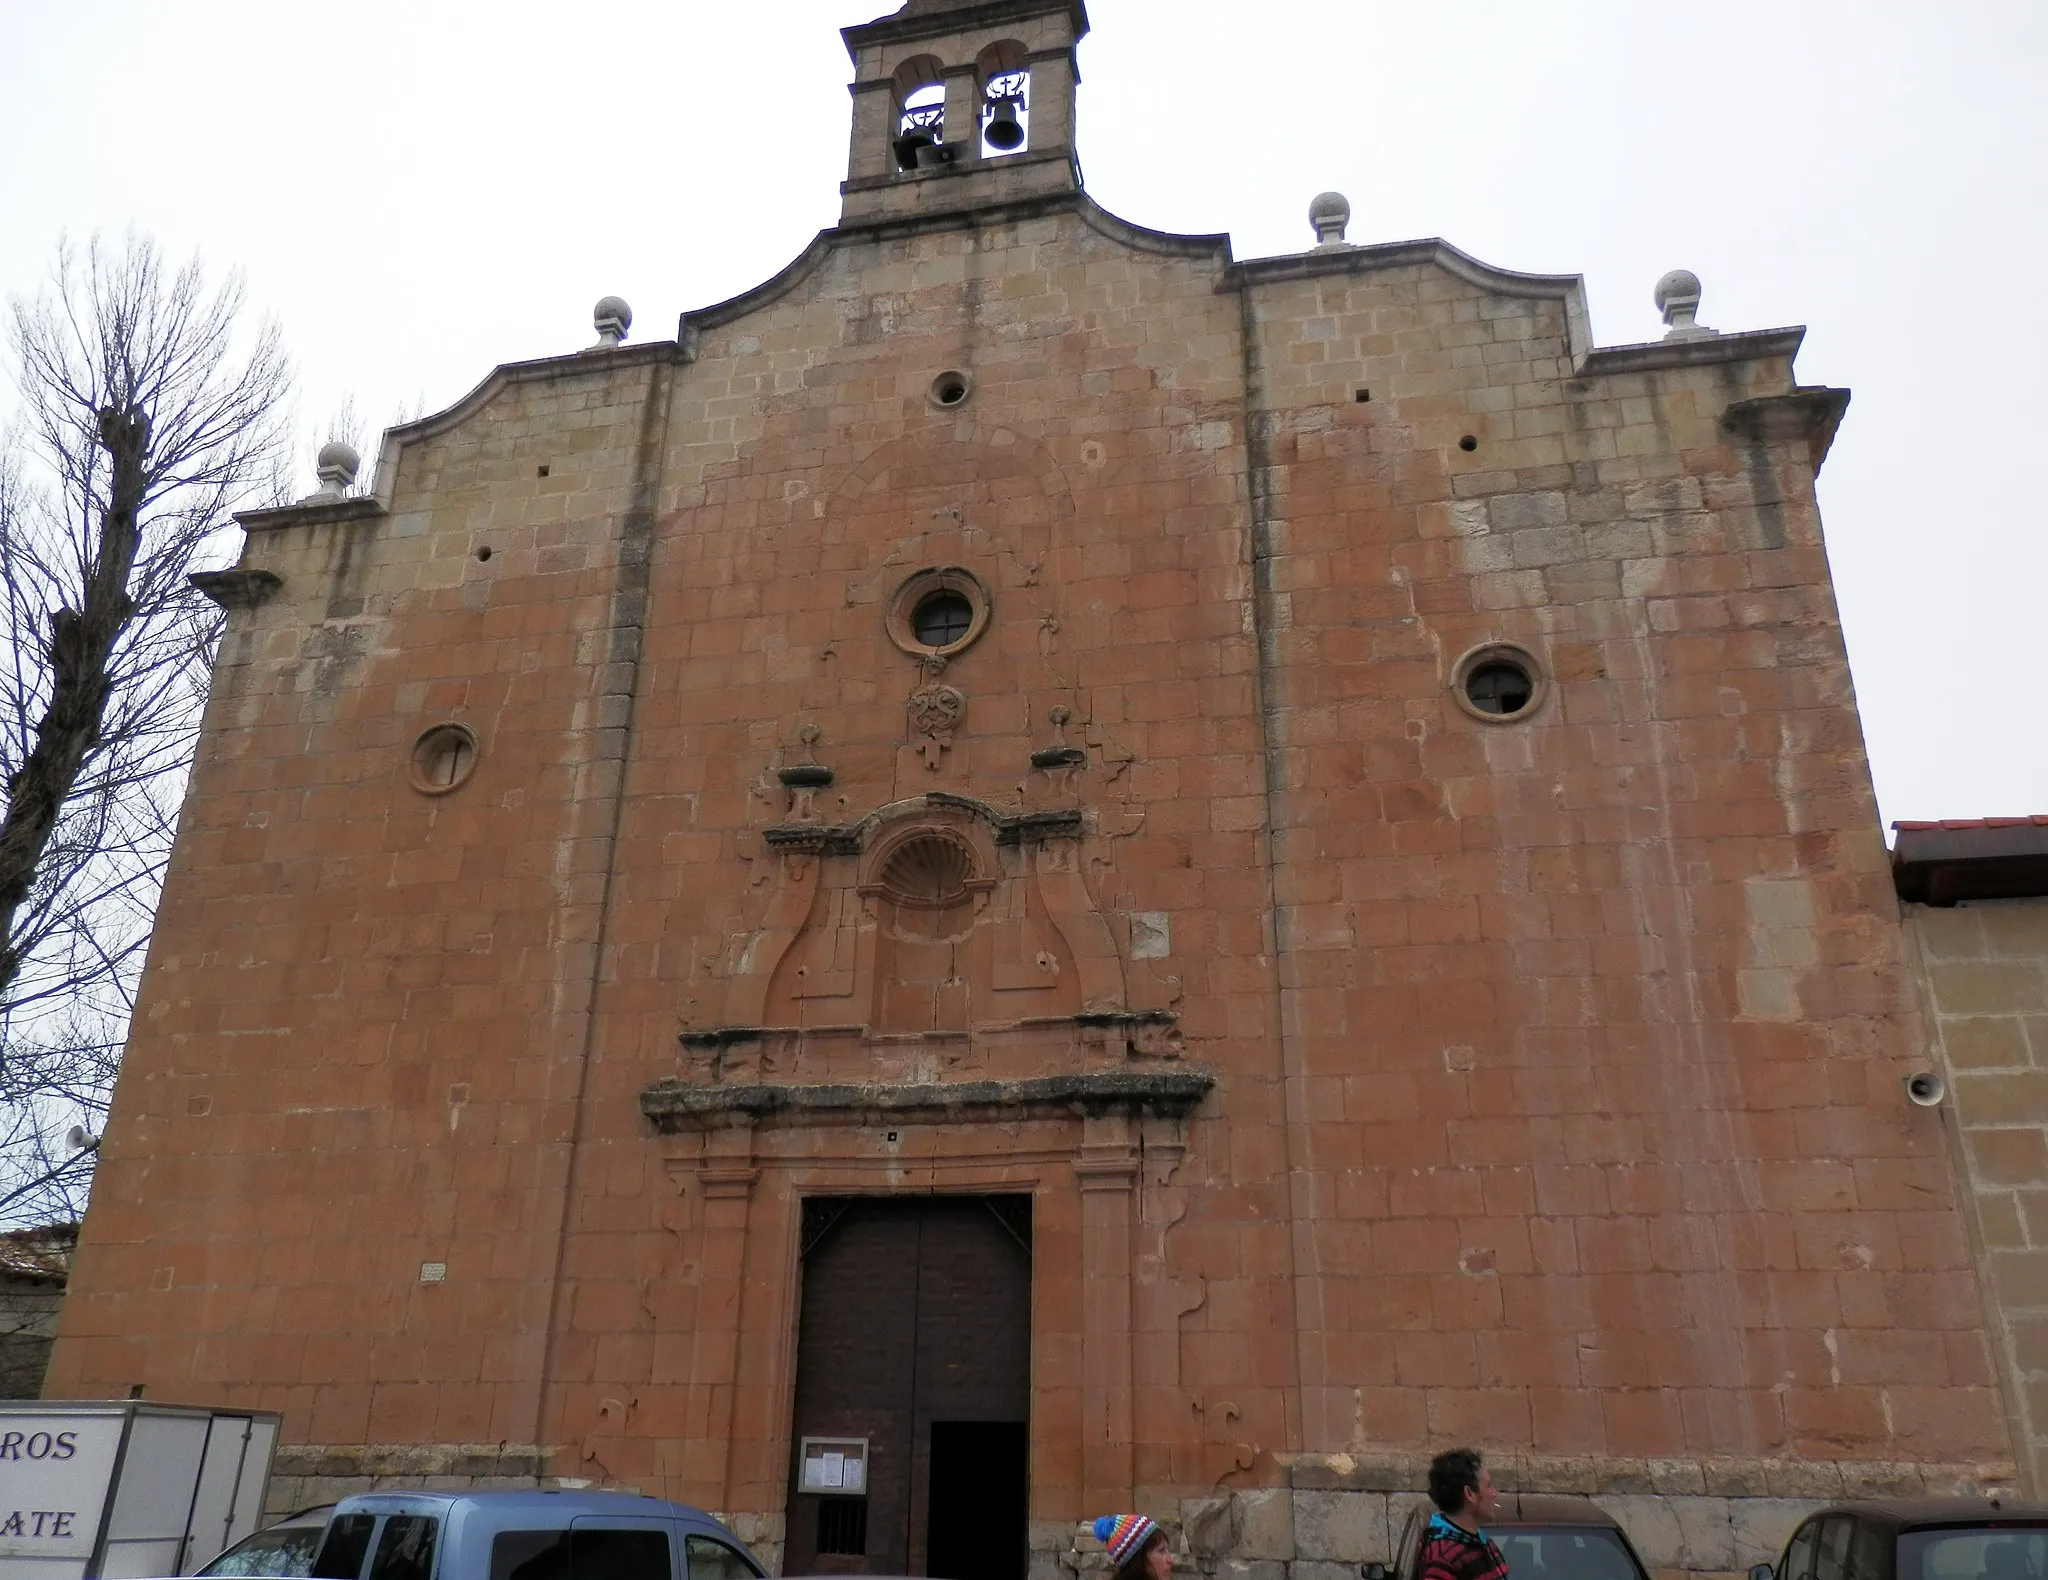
1321,1569
1345,1526
1760,1527
1676,1532
1653,1526
1209,1526
1265,1523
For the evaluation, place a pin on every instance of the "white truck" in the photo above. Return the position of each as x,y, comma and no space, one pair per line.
116,1489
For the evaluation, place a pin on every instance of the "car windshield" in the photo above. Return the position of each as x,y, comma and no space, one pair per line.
2002,1552
1566,1552
285,1552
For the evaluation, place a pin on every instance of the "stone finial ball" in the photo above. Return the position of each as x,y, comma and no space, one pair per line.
1328,208
1679,284
612,307
339,457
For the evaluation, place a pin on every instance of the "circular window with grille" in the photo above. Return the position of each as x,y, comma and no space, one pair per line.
1500,683
938,612
443,758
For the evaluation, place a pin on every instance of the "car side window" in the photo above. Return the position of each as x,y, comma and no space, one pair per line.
1832,1560
288,1550
1411,1540
343,1547
406,1549
530,1555
1800,1554
599,1554
711,1559
1867,1553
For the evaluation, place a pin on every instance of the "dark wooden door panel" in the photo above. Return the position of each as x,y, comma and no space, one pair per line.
915,1318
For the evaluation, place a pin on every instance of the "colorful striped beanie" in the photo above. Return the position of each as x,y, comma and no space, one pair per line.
1125,1535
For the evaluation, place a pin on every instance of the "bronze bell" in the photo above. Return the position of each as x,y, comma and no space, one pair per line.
1004,131
910,143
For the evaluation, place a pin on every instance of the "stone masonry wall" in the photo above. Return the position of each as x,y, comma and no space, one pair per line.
1557,1059
28,1328
1598,1016
1984,969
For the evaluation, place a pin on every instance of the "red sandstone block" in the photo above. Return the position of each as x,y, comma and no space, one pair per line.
1643,1422
1435,1360
1491,1416
1532,1360
1931,1301
1952,1423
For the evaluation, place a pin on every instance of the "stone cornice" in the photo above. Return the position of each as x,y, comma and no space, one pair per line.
1750,345
313,513
1812,413
1569,289
847,839
968,16
593,360
968,216
679,1105
237,587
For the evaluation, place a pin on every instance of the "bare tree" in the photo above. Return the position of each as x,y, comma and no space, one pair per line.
149,413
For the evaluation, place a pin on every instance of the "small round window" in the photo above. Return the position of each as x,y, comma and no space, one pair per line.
940,611
443,759
1498,683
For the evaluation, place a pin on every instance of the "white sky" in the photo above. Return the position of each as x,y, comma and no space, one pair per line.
421,190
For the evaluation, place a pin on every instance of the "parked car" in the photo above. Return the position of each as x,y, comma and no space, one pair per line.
1917,1539
283,1551
1542,1536
516,1535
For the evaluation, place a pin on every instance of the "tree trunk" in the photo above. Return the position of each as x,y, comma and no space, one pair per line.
81,651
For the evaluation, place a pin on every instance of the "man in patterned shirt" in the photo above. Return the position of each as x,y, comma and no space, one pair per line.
1453,1545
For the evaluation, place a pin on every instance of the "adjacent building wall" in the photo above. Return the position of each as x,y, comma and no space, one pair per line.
1983,967
34,1264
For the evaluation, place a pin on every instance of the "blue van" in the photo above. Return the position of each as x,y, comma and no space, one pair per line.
518,1535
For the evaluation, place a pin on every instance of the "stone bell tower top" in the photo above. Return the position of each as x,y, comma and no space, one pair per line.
962,104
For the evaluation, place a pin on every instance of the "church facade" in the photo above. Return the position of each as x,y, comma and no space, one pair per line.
1041,861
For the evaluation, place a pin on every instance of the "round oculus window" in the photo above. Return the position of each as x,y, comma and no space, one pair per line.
938,612
1499,683
443,758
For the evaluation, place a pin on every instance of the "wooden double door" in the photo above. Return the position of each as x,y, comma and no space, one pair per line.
914,1340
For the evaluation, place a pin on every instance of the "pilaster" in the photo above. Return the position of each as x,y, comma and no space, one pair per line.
1107,1166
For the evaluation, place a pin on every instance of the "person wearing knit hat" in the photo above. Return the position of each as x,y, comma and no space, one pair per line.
1137,1547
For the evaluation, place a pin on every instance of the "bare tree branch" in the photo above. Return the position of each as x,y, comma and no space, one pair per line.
150,411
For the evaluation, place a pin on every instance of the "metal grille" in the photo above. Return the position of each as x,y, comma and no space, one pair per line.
843,1526
942,619
1499,688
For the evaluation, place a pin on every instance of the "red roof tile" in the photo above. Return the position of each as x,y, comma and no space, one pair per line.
2037,820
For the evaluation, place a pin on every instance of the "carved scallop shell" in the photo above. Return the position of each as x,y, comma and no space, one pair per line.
928,869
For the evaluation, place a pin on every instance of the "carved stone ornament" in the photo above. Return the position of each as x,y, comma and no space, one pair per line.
935,713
